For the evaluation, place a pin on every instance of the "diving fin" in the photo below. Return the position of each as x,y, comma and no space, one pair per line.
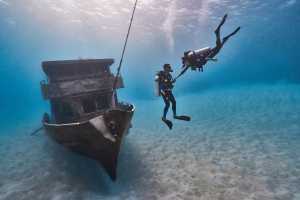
183,117
168,123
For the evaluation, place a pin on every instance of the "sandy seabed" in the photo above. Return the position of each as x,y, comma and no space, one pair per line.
243,143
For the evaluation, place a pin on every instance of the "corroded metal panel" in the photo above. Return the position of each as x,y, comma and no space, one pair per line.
67,70
77,87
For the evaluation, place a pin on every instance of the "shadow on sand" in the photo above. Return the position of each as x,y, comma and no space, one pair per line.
86,175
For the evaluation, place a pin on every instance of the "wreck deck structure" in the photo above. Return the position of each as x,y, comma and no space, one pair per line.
86,115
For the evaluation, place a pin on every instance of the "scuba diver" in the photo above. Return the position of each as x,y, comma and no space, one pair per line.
198,58
165,84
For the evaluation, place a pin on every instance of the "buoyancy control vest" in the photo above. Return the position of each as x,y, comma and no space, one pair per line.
163,82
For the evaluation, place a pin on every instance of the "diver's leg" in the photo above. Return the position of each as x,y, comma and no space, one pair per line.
218,38
219,43
181,117
173,101
231,34
167,105
217,31
166,99
214,51
222,22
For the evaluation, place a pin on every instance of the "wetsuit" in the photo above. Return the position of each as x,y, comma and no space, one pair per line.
198,61
219,42
165,88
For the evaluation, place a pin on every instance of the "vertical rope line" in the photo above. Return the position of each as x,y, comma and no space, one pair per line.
124,48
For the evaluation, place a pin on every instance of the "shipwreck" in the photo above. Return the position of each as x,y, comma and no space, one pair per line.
86,115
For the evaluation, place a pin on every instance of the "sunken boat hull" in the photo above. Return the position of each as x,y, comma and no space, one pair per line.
86,115
84,138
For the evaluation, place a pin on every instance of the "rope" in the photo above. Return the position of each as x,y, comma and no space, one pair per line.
181,73
36,131
124,48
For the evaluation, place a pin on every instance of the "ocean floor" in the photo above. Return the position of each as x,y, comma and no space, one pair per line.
243,143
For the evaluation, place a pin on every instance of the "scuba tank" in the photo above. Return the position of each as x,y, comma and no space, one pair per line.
202,52
156,84
195,58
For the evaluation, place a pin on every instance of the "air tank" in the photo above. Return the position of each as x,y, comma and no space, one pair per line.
196,58
156,85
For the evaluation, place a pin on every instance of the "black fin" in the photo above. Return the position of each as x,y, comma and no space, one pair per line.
168,123
183,117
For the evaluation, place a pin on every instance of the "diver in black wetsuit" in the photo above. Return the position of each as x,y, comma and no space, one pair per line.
197,59
166,84
219,44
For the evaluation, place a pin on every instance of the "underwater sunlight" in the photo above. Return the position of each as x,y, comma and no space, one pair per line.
235,131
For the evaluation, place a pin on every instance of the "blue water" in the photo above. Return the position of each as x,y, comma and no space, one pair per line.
244,138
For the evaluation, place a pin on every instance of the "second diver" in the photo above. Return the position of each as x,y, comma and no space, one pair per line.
198,58
165,84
